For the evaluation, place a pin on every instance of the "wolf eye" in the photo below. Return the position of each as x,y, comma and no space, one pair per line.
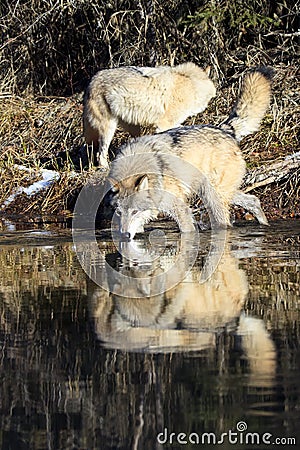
118,212
135,211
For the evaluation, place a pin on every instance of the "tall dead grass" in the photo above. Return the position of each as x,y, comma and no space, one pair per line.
52,47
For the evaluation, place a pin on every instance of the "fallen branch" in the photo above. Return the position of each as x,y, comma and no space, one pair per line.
272,173
278,33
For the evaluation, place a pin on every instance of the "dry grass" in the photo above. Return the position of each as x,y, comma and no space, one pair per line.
40,126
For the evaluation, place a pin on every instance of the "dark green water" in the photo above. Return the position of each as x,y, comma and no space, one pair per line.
84,369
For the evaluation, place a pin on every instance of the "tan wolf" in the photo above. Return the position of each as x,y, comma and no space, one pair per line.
159,173
161,97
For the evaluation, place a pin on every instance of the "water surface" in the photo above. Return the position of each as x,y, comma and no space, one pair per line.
82,368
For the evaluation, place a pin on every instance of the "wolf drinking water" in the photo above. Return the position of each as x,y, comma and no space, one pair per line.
160,173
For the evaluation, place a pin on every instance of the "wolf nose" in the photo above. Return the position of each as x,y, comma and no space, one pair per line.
125,235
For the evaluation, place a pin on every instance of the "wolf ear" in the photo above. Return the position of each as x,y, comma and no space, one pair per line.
114,184
207,70
141,183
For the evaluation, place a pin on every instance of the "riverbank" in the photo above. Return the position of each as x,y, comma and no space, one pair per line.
43,169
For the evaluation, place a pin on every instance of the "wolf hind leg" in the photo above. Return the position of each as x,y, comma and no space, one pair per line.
252,204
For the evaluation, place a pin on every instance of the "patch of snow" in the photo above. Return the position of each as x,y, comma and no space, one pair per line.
48,177
295,156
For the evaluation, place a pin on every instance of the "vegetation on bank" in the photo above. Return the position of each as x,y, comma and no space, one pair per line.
50,49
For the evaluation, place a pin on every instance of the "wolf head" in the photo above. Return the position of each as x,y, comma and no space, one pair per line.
203,87
134,206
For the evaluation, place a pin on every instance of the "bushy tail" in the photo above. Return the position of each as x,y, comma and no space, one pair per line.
252,103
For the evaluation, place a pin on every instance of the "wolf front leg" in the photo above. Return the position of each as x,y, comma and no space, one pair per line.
183,216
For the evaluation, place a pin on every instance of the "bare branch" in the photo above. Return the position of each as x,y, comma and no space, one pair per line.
272,173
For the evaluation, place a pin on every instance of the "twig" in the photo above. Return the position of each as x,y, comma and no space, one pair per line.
278,33
28,28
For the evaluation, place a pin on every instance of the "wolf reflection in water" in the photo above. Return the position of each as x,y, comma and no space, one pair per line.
188,317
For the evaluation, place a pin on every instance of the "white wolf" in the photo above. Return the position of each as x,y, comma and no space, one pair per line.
160,172
161,97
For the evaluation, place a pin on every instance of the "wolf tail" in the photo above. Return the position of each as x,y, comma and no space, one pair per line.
252,103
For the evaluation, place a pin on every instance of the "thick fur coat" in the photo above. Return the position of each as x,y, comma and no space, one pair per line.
161,97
